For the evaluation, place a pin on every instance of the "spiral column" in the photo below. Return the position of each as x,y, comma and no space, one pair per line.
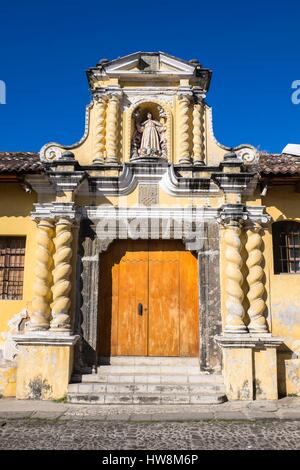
235,295
256,287
99,131
40,315
61,276
198,134
183,129
112,128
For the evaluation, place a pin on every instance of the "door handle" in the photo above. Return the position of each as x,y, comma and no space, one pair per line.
140,309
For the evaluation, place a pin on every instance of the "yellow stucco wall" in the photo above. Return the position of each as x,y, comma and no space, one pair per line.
282,291
283,301
84,149
15,220
44,371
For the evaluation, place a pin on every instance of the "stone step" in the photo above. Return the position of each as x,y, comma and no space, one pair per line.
148,380
133,377
148,369
149,360
146,398
95,387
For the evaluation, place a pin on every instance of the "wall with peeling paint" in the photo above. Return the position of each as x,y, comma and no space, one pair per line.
15,220
283,291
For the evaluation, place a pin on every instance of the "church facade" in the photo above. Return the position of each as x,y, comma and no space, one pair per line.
149,248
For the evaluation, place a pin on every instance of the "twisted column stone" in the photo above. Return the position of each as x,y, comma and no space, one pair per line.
235,295
61,276
183,129
99,131
257,307
42,296
112,128
198,134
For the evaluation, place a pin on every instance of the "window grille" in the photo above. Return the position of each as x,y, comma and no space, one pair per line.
12,254
286,247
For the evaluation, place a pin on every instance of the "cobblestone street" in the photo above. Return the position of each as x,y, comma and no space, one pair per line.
74,434
34,424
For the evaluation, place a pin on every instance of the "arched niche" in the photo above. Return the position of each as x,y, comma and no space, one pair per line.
160,112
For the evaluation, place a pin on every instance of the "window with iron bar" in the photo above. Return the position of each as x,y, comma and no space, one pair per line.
286,247
12,255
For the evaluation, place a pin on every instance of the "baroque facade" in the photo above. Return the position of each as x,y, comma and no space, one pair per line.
149,247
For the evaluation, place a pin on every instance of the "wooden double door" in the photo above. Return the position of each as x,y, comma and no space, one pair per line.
148,300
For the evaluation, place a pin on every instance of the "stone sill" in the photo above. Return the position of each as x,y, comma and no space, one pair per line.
46,338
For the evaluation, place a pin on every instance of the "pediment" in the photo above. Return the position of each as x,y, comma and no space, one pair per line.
149,63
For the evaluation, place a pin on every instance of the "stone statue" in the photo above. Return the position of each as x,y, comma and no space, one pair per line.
149,139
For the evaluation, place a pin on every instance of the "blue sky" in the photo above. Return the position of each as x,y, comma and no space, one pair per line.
252,47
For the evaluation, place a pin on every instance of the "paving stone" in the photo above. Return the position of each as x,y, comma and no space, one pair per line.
141,417
94,417
119,417
182,416
230,415
255,414
46,415
289,414
263,405
150,435
15,414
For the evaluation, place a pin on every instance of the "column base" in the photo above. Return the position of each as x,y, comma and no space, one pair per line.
45,363
185,160
38,327
258,331
250,366
98,161
234,330
112,160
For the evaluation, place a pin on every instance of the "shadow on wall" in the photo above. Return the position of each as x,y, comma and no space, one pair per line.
288,372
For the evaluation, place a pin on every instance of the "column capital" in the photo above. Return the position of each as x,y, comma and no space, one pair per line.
114,93
232,214
258,214
184,93
254,226
100,97
52,211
